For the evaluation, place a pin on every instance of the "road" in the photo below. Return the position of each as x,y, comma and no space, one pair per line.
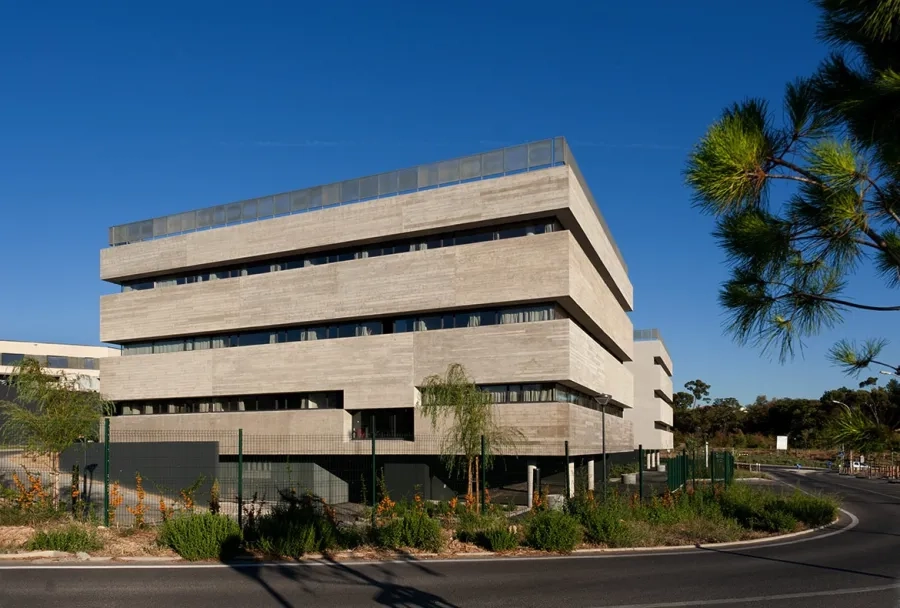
856,567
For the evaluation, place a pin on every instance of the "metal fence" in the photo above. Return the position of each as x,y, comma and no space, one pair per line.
690,468
487,165
141,477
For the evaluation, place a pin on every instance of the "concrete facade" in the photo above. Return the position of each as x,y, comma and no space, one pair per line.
651,415
575,268
81,364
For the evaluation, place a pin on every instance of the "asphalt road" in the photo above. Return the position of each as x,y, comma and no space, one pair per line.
857,567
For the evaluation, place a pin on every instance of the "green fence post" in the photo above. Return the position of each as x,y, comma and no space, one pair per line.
694,471
106,472
568,481
712,469
483,473
641,472
374,473
684,469
240,478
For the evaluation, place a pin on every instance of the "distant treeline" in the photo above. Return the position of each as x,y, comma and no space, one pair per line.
808,423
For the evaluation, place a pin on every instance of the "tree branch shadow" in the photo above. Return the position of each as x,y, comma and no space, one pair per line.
329,571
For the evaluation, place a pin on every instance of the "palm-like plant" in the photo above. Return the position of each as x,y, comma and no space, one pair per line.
838,152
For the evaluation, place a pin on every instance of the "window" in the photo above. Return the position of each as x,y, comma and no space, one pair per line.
10,358
317,333
168,346
57,361
90,363
403,325
256,338
463,319
241,403
428,323
510,233
346,330
448,239
251,270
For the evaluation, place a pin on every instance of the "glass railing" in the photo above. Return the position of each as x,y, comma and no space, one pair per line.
487,165
646,334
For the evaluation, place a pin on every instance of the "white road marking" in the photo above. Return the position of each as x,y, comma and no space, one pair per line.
760,598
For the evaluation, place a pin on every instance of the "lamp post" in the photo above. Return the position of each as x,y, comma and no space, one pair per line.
602,399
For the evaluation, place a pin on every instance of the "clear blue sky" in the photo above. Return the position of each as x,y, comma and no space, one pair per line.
116,112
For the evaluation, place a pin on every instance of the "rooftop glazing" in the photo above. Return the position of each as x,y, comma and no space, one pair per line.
532,156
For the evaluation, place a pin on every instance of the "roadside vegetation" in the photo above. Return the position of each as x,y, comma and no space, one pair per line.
299,525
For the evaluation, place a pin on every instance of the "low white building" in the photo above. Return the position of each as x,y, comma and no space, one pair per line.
652,411
70,360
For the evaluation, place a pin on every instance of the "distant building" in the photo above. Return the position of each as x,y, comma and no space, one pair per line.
70,360
313,311
652,411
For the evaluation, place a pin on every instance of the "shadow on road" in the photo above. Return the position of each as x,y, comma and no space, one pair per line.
331,572
796,563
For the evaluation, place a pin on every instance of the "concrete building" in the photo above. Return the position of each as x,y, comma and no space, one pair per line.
311,311
651,415
71,360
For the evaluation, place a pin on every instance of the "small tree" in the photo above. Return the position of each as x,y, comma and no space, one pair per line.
699,390
469,413
53,414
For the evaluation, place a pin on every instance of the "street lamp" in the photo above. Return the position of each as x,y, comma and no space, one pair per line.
887,373
602,400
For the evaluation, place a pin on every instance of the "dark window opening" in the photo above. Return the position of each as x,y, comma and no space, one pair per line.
391,423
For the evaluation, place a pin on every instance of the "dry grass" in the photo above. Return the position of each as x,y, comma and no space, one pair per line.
140,543
13,538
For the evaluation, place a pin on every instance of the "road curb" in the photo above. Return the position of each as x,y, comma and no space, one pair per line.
35,555
733,543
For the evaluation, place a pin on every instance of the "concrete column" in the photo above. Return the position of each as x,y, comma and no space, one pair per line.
531,469
571,473
590,474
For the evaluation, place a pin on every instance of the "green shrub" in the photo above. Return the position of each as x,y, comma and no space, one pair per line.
756,509
12,515
196,536
554,531
604,526
414,530
72,539
499,538
296,526
814,511
469,527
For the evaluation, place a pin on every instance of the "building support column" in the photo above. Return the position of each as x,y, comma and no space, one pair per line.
531,469
590,475
571,473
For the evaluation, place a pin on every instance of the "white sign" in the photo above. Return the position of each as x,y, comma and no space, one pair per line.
781,442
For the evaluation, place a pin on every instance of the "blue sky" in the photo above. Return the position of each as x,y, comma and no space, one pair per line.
115,112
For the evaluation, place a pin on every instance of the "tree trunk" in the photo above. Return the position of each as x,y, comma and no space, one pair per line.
54,478
477,485
469,476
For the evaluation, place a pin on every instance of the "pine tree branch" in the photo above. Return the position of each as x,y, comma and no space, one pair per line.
794,178
792,293
798,169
